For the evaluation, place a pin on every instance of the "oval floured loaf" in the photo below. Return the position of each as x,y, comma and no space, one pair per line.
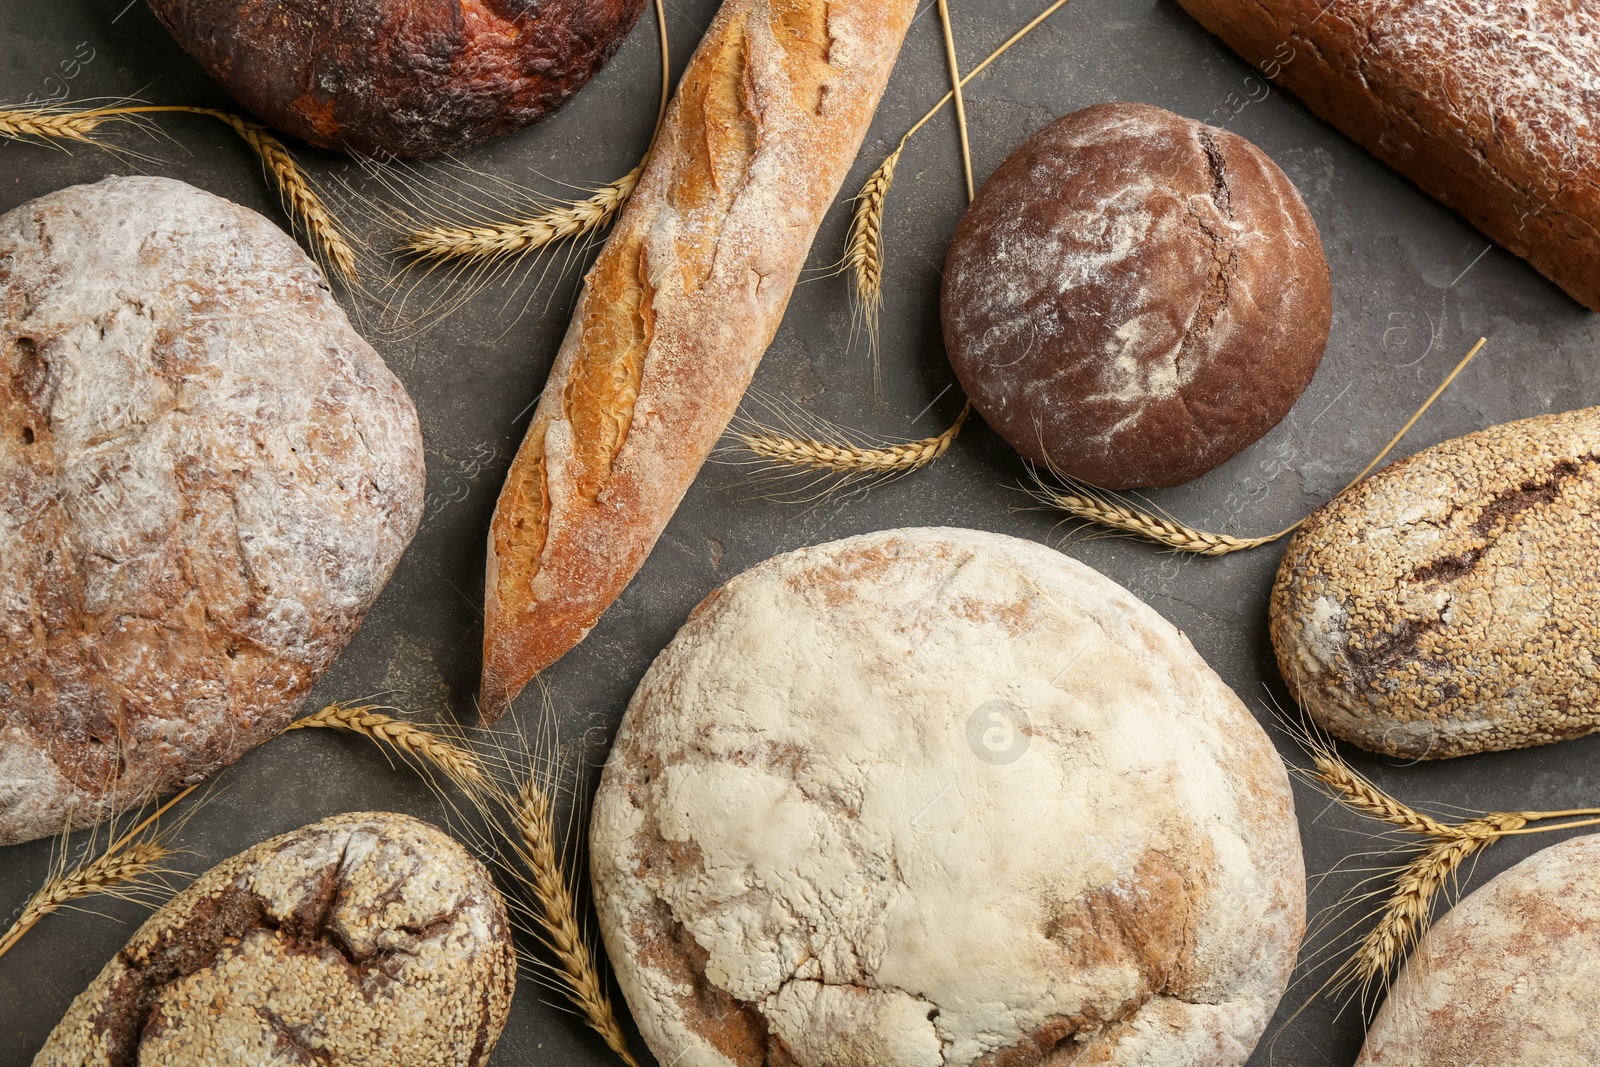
1507,977
368,938
1450,603
931,798
206,478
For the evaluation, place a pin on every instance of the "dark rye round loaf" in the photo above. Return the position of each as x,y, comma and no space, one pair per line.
1134,297
364,940
400,77
206,478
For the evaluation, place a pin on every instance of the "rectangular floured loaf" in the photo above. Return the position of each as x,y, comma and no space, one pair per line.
1492,108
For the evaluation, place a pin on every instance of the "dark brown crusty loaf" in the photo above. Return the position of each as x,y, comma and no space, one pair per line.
206,478
676,313
364,940
1135,297
400,77
1449,604
1489,107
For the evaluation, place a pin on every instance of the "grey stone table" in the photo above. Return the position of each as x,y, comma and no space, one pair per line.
1414,286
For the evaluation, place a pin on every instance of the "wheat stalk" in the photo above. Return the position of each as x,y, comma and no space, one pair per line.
1079,501
458,764
300,198
50,123
847,457
1359,794
557,914
863,251
107,874
514,237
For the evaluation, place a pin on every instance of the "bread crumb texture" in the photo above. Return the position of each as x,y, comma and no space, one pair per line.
206,477
1507,977
1449,604
368,938
938,797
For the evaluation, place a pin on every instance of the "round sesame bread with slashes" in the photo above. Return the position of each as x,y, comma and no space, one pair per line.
1448,604
367,939
942,798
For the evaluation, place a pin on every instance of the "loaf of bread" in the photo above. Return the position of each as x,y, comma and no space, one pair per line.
941,798
676,313
400,77
1135,297
1450,603
364,940
1507,978
1489,107
206,478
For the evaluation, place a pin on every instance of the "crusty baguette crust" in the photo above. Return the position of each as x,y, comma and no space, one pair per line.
1489,107
676,313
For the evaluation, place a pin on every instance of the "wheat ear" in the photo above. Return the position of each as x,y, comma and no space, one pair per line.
487,240
111,874
1105,509
847,457
557,914
300,198
458,764
50,124
515,237
863,253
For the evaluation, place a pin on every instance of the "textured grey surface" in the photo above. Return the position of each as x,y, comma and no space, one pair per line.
1413,287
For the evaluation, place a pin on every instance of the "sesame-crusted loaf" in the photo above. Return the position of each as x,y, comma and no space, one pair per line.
940,798
1449,604
1489,107
366,939
206,478
1506,978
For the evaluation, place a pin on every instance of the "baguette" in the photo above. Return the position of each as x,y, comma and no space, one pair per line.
676,313
1488,107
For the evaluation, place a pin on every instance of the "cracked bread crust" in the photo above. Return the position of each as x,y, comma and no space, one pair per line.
1448,604
368,938
804,854
206,478
676,313
1488,107
401,77
1134,297
1507,976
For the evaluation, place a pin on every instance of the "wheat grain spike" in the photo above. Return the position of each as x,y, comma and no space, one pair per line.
1409,908
557,915
458,764
514,237
113,873
48,124
863,253
847,457
1360,794
300,197
1088,505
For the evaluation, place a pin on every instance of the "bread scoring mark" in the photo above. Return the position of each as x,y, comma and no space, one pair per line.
332,938
1439,608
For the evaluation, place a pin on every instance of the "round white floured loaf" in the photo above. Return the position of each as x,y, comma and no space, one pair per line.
1506,978
929,798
